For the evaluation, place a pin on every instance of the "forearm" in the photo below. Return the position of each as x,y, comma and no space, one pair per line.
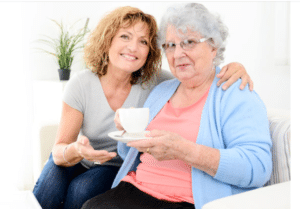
66,154
199,156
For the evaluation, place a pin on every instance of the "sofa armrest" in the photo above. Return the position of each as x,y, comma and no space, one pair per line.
44,138
269,197
280,132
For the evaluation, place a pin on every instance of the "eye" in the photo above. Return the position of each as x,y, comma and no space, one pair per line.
189,42
144,42
125,37
170,45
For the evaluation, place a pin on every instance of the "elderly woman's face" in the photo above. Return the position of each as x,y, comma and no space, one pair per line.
129,48
194,63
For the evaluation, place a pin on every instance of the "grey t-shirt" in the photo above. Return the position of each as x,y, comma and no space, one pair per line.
84,93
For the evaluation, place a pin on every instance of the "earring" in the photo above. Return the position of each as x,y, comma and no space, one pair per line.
105,61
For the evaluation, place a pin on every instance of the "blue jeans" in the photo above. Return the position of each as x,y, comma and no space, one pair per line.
69,187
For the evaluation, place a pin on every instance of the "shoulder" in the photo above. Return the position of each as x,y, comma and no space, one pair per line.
85,75
235,95
236,103
82,78
81,83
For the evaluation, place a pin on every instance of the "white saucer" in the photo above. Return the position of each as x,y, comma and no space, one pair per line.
116,135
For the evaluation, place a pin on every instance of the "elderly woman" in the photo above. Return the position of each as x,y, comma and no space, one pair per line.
206,143
124,65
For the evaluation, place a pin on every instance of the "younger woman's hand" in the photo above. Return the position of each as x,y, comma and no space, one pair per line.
86,151
231,73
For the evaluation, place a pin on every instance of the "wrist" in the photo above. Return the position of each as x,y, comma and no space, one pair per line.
68,154
183,148
77,150
65,153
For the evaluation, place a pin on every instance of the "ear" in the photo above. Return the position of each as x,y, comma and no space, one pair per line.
214,52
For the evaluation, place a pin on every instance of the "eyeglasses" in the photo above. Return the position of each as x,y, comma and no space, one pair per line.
187,44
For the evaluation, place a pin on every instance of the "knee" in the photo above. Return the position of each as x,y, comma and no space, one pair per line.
51,181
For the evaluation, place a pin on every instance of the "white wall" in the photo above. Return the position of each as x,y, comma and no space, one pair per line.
259,38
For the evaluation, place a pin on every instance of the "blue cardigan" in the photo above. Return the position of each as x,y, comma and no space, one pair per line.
233,121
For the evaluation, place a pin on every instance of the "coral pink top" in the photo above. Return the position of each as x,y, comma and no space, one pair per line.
170,179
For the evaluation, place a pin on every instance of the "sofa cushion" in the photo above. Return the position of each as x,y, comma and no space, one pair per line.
279,121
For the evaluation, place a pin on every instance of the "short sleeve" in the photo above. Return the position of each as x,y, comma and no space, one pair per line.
74,94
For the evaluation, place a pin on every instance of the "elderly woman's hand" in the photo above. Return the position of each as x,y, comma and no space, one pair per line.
166,145
231,73
86,151
163,145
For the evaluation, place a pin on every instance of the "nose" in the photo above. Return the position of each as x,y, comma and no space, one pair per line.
132,45
179,52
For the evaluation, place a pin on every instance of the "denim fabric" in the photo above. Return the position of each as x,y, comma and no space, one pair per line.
69,187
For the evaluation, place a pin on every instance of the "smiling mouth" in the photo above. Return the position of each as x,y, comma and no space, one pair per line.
129,57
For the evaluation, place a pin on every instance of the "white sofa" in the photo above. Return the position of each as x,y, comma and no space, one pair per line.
275,194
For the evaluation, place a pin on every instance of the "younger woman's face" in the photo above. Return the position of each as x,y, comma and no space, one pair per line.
129,48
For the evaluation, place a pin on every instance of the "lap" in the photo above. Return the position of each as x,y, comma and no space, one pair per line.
53,175
51,188
87,185
95,180
58,186
126,196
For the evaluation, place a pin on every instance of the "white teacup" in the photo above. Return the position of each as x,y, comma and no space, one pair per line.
134,120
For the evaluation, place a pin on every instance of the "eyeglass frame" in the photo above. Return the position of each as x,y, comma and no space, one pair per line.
182,42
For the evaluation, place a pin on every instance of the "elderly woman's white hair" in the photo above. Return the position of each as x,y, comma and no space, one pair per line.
197,18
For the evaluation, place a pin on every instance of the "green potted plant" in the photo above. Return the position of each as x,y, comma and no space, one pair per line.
65,46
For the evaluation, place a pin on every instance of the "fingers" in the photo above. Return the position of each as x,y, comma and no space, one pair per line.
103,158
244,82
156,133
158,139
231,73
84,140
86,151
226,76
140,144
230,80
117,121
100,156
81,142
251,85
222,72
153,136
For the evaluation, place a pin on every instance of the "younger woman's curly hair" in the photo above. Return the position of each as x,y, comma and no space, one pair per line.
99,42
